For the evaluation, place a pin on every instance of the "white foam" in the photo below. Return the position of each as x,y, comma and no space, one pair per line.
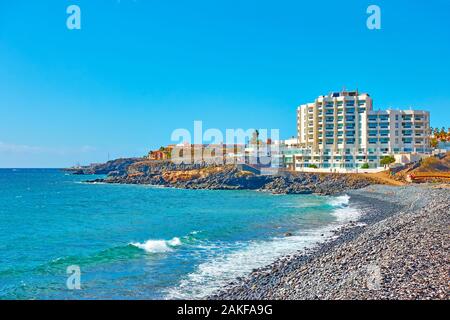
343,212
345,215
340,201
157,246
225,267
174,242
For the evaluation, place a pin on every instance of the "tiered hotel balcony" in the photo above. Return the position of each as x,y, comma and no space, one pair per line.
350,111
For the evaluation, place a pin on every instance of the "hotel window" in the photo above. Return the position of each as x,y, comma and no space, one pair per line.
407,125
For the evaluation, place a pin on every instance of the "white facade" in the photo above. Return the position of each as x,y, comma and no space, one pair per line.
341,130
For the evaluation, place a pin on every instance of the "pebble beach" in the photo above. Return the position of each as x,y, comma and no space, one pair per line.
398,249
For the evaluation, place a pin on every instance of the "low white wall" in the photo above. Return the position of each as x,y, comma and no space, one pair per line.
340,170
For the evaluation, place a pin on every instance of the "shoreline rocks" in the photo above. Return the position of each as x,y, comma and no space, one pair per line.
231,177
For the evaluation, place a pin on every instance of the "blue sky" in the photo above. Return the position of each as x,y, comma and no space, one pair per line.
139,69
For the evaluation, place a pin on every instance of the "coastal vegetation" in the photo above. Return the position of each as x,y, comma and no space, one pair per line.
439,136
387,160
365,166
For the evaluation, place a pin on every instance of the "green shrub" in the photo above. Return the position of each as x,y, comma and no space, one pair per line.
387,160
313,166
365,166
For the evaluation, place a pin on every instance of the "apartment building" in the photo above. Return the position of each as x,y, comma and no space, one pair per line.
341,130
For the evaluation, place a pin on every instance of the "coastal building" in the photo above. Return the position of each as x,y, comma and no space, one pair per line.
163,153
341,130
208,153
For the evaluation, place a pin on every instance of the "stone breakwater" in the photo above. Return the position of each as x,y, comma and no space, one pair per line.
231,177
399,249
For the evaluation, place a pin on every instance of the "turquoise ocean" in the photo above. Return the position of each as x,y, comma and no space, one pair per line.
144,242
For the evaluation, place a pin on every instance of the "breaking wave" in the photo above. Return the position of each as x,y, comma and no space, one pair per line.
342,211
157,246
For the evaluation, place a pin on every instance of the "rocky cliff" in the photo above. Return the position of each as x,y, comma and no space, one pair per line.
231,177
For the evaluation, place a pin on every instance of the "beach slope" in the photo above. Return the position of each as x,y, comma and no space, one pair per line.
399,249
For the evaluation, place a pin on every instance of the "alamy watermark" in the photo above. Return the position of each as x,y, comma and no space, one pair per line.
74,280
73,21
374,20
234,146
373,278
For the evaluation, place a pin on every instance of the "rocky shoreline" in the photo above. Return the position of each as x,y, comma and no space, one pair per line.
232,177
397,250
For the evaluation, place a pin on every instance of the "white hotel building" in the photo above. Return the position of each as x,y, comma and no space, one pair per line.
341,130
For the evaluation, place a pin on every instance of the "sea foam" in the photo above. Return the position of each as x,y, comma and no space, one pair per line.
157,246
340,201
226,266
343,212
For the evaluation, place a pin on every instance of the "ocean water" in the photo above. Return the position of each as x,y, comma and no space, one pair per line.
143,242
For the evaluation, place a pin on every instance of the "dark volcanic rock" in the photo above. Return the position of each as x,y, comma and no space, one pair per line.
114,167
230,177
